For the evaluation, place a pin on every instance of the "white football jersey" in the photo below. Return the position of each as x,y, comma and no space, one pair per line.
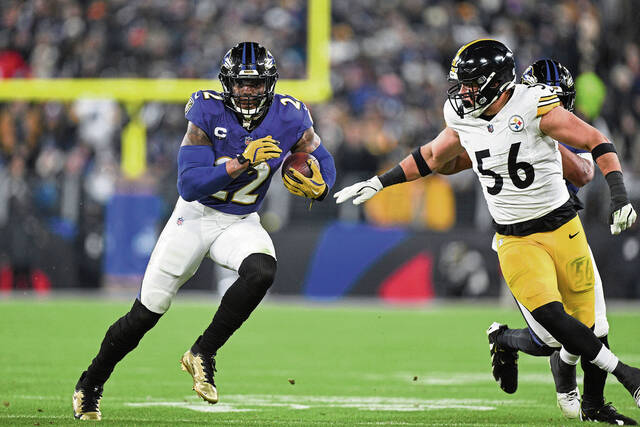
520,168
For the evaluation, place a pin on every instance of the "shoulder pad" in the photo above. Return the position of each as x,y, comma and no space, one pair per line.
289,108
203,107
207,101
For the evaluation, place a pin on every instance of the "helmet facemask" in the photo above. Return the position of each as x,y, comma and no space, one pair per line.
245,68
482,91
245,104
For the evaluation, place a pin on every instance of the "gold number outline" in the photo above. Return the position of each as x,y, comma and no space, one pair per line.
242,194
286,100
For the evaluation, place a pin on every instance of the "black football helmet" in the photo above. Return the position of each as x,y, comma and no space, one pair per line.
487,68
554,74
248,61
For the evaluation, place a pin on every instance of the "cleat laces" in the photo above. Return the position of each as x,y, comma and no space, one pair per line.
209,368
91,399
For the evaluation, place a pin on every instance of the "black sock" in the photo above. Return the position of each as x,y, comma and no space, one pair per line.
122,337
574,336
622,372
594,382
522,340
257,272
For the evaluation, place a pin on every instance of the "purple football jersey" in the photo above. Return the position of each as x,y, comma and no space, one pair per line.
286,120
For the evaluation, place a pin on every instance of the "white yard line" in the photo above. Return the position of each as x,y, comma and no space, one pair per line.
244,402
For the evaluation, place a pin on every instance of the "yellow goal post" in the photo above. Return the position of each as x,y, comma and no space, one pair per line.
134,93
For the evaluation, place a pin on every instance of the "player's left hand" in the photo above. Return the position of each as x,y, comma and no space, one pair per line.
622,218
313,187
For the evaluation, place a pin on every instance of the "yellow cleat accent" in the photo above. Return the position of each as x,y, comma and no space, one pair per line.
81,414
194,364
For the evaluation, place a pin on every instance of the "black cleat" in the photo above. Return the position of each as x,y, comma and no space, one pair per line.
504,361
567,393
630,379
606,414
86,400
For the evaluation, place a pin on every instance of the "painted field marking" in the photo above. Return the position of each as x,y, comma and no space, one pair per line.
243,402
462,378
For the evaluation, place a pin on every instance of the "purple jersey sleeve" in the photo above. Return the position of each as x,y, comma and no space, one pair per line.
195,112
573,149
306,122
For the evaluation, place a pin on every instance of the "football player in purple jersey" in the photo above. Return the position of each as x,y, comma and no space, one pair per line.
235,142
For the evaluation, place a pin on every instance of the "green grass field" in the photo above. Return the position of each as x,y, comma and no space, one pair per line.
355,365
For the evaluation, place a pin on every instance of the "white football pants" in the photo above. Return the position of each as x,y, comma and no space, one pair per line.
193,232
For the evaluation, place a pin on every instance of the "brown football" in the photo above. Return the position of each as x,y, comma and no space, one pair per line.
298,161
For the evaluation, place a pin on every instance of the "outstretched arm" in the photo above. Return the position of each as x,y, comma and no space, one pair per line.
460,163
431,157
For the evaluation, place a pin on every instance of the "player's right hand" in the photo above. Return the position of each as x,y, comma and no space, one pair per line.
260,150
360,191
622,218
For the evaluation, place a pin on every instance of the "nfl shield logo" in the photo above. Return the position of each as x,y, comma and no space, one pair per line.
180,221
490,128
247,140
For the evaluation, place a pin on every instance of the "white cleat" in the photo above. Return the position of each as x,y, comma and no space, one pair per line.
569,403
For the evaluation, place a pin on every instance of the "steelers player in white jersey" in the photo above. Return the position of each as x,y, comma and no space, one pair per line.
504,342
510,132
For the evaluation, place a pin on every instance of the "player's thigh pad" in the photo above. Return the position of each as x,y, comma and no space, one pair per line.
576,279
528,270
177,255
240,239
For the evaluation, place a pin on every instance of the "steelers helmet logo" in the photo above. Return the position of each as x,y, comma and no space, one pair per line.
516,123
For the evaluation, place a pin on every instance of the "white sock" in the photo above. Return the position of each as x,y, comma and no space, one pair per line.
606,360
568,358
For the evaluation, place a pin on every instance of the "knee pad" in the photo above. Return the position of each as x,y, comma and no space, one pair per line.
157,301
259,271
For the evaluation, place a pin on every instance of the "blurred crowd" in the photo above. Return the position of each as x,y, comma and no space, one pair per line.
60,162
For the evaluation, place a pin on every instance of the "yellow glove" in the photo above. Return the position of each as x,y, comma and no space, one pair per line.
259,150
298,184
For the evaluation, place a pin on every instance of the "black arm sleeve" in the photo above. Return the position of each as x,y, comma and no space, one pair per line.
393,176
